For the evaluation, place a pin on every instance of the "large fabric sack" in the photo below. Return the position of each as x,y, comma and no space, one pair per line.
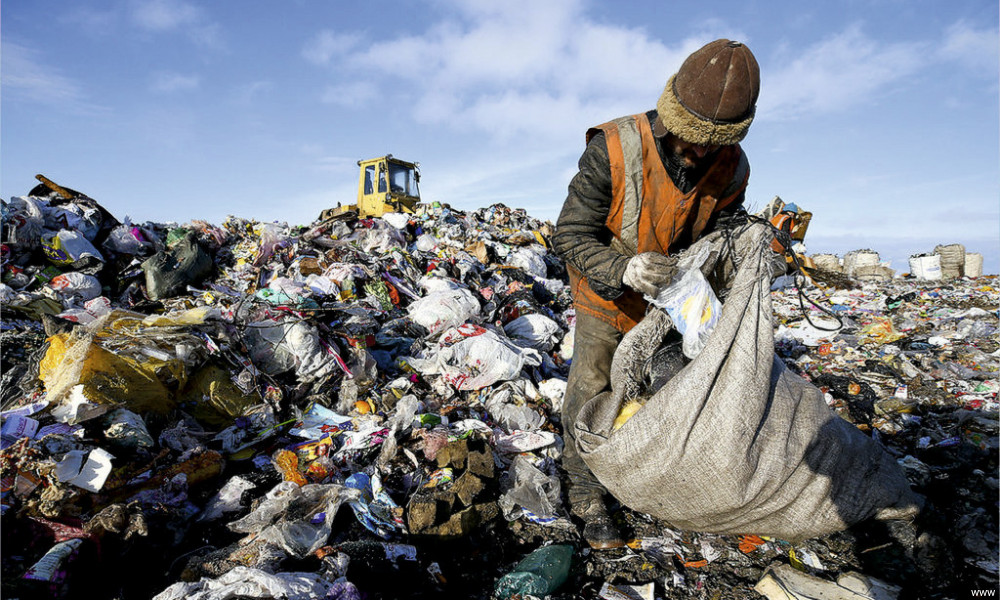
735,442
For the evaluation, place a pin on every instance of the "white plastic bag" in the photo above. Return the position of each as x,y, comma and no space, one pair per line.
74,287
445,309
66,247
691,303
529,259
534,331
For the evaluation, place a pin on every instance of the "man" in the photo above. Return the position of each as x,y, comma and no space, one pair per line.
648,186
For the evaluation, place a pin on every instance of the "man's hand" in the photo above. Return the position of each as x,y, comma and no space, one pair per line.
649,272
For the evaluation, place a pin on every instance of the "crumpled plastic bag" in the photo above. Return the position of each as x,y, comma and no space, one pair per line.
471,358
442,310
168,273
530,489
691,302
75,288
24,220
510,414
277,347
529,259
127,239
65,247
315,506
534,331
248,582
373,506
227,499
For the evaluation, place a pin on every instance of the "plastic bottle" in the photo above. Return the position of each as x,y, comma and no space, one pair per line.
539,574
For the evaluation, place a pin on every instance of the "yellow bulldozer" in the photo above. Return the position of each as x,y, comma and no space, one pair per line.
385,184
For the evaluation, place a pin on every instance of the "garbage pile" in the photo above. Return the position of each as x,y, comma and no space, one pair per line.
369,408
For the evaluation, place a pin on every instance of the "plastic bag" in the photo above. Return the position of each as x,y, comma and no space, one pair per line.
373,506
691,303
226,499
442,310
529,259
76,287
168,273
527,487
126,239
279,346
534,331
247,582
471,358
66,247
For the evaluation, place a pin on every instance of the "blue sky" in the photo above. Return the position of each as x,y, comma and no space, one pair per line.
879,116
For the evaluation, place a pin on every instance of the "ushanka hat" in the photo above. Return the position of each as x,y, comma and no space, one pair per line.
712,98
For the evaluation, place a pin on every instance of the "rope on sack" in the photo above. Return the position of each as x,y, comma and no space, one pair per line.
738,222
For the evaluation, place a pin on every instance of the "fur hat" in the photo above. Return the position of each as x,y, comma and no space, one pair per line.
712,98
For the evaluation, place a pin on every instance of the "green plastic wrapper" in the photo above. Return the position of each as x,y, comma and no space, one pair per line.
539,574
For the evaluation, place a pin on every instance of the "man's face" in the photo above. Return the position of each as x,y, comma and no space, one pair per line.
691,155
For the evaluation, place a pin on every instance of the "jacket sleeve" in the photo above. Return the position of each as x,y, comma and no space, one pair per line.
581,238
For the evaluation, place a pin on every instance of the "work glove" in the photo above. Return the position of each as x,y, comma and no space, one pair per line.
649,272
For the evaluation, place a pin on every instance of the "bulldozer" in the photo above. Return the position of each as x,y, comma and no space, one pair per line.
385,184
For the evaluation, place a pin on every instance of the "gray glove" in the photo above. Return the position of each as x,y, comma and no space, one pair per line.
649,272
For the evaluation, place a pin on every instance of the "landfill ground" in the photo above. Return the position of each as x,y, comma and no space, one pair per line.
370,409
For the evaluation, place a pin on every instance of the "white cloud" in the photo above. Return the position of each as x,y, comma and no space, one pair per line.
327,44
976,49
510,68
168,16
174,82
837,73
164,15
24,76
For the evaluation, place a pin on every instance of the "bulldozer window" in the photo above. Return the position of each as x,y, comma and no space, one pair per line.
381,181
402,180
370,179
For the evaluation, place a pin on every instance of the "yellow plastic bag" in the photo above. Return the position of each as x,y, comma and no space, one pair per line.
109,378
881,331
214,399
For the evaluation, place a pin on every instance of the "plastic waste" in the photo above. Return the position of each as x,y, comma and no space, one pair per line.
248,582
534,331
783,582
531,489
75,287
538,574
127,430
691,303
443,310
65,247
373,507
168,273
85,470
227,499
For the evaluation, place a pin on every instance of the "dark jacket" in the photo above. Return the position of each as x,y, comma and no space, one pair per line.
582,239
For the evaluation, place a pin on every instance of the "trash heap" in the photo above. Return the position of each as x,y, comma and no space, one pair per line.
369,408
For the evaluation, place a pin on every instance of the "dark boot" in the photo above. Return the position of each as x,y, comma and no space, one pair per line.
598,528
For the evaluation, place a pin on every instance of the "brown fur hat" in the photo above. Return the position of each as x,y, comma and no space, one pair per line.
712,98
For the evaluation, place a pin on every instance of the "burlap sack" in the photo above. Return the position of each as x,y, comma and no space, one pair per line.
737,443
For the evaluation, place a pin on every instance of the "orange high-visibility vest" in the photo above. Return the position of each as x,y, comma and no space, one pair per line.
648,213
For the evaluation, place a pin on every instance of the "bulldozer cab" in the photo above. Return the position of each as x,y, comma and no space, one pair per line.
387,184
